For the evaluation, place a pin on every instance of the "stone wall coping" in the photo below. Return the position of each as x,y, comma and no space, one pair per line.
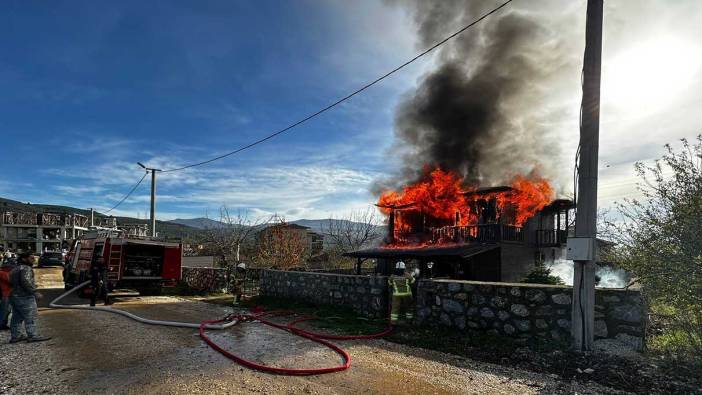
498,284
525,285
326,274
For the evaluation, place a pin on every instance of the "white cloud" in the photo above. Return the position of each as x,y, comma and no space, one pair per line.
79,190
314,182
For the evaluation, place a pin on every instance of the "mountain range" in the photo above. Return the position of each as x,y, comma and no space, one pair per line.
184,228
316,225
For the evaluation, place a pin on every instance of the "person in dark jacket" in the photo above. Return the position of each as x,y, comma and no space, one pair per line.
98,285
23,300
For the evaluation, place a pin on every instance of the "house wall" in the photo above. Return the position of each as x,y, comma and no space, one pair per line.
527,311
516,260
366,295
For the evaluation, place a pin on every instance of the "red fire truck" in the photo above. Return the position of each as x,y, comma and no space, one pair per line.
134,263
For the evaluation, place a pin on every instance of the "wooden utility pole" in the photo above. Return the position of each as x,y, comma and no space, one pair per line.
583,318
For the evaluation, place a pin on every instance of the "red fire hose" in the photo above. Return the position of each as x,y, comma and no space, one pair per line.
230,321
289,327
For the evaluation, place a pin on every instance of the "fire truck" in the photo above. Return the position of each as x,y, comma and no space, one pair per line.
128,262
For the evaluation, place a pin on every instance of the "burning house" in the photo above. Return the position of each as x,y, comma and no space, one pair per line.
483,234
480,164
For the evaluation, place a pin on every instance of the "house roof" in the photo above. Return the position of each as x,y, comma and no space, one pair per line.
454,250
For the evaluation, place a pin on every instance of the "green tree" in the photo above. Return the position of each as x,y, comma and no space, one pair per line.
659,238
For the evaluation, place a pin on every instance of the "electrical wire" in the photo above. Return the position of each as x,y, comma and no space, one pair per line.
128,194
339,101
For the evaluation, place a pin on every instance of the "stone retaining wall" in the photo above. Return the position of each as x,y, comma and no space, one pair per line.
366,295
527,311
205,278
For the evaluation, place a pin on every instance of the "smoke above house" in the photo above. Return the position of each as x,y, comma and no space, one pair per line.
479,112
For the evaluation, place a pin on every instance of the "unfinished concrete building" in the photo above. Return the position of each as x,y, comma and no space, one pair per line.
39,232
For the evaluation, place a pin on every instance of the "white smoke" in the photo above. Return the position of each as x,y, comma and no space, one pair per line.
608,277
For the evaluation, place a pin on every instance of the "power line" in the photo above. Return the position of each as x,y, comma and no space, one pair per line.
354,93
128,193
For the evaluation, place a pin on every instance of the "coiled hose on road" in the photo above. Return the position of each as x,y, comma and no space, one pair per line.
232,320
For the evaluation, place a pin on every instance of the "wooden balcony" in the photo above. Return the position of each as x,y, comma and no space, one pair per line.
551,237
484,233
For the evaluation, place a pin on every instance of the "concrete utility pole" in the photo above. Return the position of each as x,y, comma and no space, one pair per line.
583,248
153,197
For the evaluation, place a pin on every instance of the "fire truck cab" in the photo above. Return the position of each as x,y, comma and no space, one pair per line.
135,263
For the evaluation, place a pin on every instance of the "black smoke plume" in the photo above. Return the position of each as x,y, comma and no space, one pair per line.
479,111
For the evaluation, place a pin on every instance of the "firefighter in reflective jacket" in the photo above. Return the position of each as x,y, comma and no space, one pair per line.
402,300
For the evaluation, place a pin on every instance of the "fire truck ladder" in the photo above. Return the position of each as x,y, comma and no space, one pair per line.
115,263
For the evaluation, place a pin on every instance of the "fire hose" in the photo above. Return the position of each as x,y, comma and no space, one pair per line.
54,305
234,319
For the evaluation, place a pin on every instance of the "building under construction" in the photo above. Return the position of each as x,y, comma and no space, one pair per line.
22,231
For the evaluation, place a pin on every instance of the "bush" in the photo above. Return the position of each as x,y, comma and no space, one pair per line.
542,275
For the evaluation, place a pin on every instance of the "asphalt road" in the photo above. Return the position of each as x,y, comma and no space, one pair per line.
97,352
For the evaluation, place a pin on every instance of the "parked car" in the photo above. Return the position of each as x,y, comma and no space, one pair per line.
51,259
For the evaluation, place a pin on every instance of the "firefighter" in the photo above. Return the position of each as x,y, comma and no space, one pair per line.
401,286
239,278
5,291
23,300
98,284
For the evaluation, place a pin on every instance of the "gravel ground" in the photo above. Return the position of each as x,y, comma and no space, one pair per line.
94,352
97,352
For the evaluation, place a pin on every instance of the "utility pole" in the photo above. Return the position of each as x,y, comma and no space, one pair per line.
583,248
153,197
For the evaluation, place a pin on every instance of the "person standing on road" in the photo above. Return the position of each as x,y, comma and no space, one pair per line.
23,300
98,285
5,290
238,283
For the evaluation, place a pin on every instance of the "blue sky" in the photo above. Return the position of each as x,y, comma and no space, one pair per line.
87,89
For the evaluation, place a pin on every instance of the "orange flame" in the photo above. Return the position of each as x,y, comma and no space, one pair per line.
442,199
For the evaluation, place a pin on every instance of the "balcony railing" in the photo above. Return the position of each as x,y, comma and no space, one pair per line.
77,220
51,219
484,233
19,218
551,237
479,233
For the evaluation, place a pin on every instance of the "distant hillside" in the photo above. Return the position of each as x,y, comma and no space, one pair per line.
8,205
199,223
320,226
165,228
189,229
